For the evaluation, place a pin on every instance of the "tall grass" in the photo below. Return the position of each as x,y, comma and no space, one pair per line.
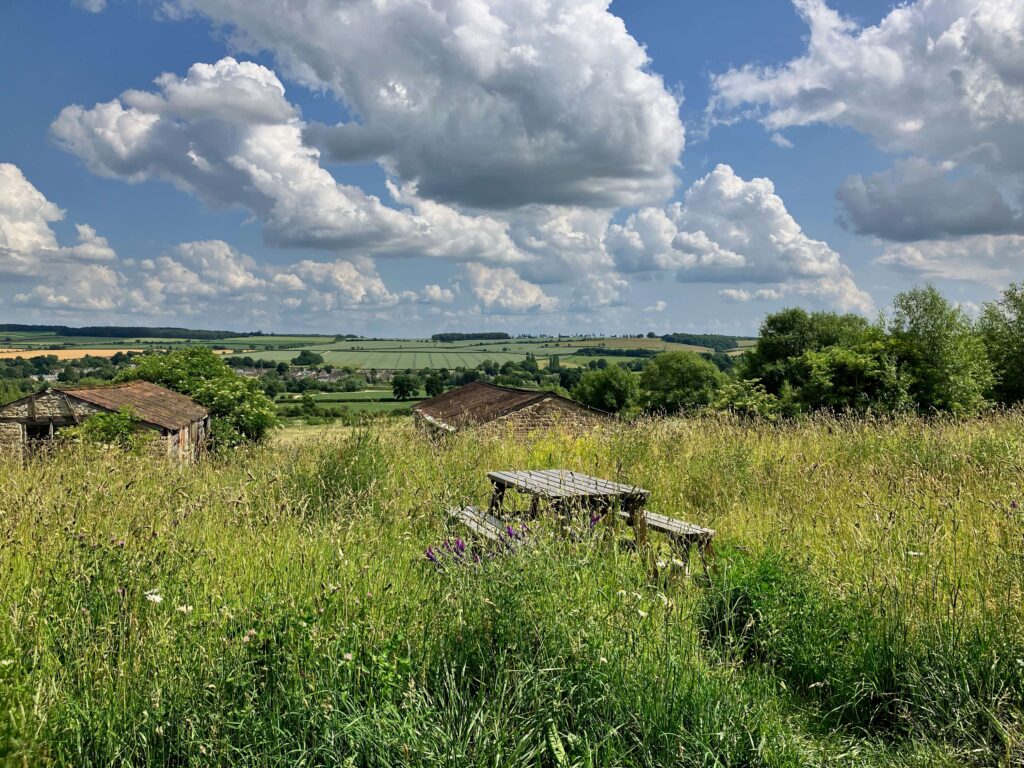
274,607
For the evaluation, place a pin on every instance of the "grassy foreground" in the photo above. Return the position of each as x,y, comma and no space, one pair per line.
274,606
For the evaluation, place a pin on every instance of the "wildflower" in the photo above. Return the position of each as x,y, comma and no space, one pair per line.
347,657
914,553
432,556
184,609
603,660
662,563
249,636
1014,504
643,614
154,597
621,593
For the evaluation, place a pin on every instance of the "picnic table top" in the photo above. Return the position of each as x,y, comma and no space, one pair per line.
561,483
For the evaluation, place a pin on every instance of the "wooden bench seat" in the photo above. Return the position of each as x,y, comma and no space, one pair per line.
673,528
682,534
478,522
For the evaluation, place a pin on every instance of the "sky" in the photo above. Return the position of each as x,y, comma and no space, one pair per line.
406,167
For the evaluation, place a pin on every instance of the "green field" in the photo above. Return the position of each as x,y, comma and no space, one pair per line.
273,605
382,354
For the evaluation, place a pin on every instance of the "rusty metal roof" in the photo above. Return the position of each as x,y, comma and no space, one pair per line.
480,402
154,405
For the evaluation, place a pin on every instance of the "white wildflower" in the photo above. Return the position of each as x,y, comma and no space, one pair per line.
154,597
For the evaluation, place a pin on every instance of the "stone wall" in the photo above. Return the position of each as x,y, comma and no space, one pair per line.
12,439
50,405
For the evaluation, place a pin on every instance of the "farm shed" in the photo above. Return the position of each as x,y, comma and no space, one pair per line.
180,425
519,410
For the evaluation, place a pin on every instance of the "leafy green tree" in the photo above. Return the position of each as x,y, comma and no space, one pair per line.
1002,329
938,348
308,404
9,391
789,333
405,385
679,381
307,357
239,409
861,378
611,389
433,385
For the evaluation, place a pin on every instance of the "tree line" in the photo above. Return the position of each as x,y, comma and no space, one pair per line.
926,356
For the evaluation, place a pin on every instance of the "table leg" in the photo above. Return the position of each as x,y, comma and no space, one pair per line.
496,499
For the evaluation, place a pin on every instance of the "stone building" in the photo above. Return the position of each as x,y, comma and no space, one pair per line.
516,410
179,425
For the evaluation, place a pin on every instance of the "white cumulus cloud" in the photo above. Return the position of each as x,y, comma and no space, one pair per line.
730,230
939,80
487,104
503,290
226,133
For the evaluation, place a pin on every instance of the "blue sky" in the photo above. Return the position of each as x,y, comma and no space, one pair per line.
559,166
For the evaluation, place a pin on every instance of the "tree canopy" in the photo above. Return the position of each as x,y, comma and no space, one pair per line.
1002,330
239,409
680,381
610,389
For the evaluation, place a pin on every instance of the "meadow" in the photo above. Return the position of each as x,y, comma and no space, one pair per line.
273,605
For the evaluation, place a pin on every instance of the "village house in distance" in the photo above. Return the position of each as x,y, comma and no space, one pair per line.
180,425
519,410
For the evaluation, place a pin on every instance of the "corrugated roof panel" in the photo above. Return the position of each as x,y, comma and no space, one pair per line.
154,404
480,402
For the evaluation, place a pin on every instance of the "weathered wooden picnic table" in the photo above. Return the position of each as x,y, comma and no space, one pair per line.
572,491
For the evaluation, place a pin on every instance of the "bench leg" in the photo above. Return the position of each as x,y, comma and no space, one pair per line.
682,544
639,523
705,550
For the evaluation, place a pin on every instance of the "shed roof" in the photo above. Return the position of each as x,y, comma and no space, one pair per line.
480,402
152,403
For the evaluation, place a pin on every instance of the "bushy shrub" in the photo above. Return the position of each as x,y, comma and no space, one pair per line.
120,428
748,398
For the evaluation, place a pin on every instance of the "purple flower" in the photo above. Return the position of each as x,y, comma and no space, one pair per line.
432,556
1014,504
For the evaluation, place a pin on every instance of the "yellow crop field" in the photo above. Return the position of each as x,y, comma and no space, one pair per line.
62,354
